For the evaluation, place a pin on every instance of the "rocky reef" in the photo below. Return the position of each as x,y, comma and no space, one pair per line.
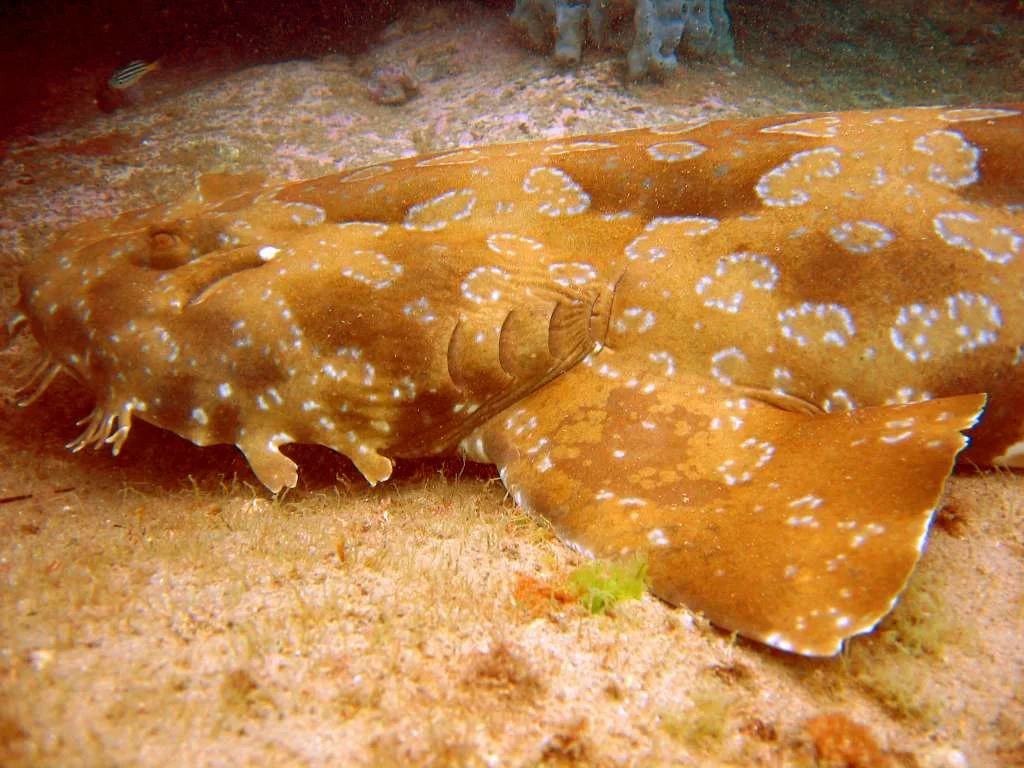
652,31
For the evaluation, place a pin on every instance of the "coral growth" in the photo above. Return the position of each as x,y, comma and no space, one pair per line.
651,30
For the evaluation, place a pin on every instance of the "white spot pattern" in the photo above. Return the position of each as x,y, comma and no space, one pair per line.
790,183
971,317
304,214
967,114
573,147
438,212
962,229
371,228
662,236
740,469
515,246
365,174
373,269
420,310
683,126
827,323
861,236
976,318
724,289
485,284
910,332
667,359
556,192
954,160
634,320
906,395
657,537
723,360
455,157
676,151
572,273
838,400
815,127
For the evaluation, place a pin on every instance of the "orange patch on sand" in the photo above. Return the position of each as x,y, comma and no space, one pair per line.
839,741
536,598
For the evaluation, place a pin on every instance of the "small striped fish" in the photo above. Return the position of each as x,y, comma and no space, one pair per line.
131,73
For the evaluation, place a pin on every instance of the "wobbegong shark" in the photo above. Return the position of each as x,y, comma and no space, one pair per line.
751,351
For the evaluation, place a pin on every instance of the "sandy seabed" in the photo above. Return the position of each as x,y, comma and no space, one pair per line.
161,609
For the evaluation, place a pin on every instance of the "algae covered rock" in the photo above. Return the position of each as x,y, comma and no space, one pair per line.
652,31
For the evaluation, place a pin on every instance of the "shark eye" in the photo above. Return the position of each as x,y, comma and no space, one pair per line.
167,250
163,241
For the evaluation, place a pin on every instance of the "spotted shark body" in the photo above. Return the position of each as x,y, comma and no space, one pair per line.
748,350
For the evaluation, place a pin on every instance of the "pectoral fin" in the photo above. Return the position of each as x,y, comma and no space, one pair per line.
798,530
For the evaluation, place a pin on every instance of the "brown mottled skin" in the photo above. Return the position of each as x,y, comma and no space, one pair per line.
748,349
